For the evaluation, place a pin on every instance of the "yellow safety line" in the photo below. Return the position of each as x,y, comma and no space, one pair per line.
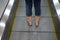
53,27
52,22
10,38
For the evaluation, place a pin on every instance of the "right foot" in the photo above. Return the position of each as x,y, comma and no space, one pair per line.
29,20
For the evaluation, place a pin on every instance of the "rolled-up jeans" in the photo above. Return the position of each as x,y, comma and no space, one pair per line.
37,7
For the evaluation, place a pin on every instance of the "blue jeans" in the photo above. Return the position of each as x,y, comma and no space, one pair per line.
37,7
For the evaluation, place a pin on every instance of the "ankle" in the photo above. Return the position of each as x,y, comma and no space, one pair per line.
37,18
29,18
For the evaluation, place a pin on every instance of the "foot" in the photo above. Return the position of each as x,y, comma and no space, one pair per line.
37,20
29,20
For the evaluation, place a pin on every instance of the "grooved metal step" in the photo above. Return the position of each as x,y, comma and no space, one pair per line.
22,31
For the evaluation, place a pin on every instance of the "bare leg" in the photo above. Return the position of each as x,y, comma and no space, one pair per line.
37,20
29,20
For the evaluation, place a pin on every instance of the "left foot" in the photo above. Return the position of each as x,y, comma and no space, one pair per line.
37,21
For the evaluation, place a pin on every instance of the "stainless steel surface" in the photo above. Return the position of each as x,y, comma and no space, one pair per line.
21,30
6,14
57,7
3,4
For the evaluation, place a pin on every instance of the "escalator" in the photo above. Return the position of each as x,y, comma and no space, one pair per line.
21,31
3,4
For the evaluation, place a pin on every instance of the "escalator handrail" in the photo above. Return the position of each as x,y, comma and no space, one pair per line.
56,8
4,10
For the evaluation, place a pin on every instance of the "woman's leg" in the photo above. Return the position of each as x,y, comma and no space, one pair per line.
29,11
37,4
28,7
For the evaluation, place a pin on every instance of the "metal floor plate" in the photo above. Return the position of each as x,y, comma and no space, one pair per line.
23,32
